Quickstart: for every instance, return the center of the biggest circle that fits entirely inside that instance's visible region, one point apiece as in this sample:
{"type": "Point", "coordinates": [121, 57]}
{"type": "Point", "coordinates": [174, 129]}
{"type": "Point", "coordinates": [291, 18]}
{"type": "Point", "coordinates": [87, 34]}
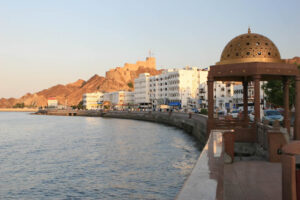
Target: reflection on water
{"type": "Point", "coordinates": [55, 157]}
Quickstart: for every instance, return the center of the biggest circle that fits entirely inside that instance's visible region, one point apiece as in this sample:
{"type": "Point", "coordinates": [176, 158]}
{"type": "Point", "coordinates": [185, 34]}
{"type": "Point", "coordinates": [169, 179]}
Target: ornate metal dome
{"type": "Point", "coordinates": [250, 47]}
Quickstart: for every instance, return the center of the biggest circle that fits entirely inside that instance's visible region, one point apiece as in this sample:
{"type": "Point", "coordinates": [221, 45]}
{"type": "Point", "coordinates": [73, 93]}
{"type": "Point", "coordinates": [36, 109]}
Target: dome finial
{"type": "Point", "coordinates": [249, 30]}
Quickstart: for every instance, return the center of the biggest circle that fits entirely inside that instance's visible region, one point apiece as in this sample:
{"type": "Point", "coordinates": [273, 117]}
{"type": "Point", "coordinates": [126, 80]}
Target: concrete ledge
{"type": "Point", "coordinates": [206, 179]}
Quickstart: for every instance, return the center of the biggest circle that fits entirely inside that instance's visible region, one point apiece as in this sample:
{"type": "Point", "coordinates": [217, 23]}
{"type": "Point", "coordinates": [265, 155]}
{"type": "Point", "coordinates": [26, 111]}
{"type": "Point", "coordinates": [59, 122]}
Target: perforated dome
{"type": "Point", "coordinates": [250, 47]}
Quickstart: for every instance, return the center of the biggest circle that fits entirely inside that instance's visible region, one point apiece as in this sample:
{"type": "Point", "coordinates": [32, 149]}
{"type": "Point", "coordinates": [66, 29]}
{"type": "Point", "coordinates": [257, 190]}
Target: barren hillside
{"type": "Point", "coordinates": [71, 94]}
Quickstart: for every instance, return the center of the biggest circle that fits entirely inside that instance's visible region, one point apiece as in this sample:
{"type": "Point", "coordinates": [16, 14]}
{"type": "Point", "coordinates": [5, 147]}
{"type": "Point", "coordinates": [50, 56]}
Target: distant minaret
{"type": "Point", "coordinates": [249, 30]}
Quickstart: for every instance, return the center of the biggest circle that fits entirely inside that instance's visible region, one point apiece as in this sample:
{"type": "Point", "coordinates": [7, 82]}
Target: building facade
{"type": "Point", "coordinates": [52, 102]}
{"type": "Point", "coordinates": [141, 91]}
{"type": "Point", "coordinates": [238, 96]}
{"type": "Point", "coordinates": [119, 100]}
{"type": "Point", "coordinates": [176, 87]}
{"type": "Point", "coordinates": [223, 95]}
{"type": "Point", "coordinates": [91, 100]}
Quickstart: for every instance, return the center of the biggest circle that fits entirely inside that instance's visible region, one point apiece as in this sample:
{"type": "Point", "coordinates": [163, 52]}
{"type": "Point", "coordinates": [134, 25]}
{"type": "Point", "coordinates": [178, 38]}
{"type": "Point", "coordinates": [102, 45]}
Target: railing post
{"type": "Point", "coordinates": [210, 97]}
{"type": "Point", "coordinates": [290, 180]}
{"type": "Point", "coordinates": [229, 139]}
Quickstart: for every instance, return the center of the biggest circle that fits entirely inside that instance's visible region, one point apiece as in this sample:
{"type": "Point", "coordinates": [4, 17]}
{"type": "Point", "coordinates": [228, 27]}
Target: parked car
{"type": "Point", "coordinates": [271, 116]}
{"type": "Point", "coordinates": [251, 116]}
{"type": "Point", "coordinates": [235, 113]}
{"type": "Point", "coordinates": [221, 114]}
{"type": "Point", "coordinates": [195, 110]}
{"type": "Point", "coordinates": [281, 110]}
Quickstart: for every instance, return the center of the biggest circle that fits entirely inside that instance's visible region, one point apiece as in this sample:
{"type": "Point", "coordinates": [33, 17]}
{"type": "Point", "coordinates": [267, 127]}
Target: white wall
{"type": "Point", "coordinates": [176, 85]}
{"type": "Point", "coordinates": [141, 89]}
{"type": "Point", "coordinates": [90, 100]}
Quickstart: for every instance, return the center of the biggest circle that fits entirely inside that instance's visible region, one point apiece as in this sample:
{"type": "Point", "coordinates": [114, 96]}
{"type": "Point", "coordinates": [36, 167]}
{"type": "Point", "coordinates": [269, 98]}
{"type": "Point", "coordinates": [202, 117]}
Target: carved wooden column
{"type": "Point", "coordinates": [256, 79]}
{"type": "Point", "coordinates": [297, 109]}
{"type": "Point", "coordinates": [210, 100]}
{"type": "Point", "coordinates": [245, 100]}
{"type": "Point", "coordinates": [286, 122]}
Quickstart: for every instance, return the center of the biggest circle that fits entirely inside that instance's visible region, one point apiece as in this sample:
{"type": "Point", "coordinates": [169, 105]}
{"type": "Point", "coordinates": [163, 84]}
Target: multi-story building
{"type": "Point", "coordinates": [223, 95]}
{"type": "Point", "coordinates": [52, 102]}
{"type": "Point", "coordinates": [176, 87]}
{"type": "Point", "coordinates": [238, 96]}
{"type": "Point", "coordinates": [119, 100]}
{"type": "Point", "coordinates": [229, 95]}
{"type": "Point", "coordinates": [91, 100]}
{"type": "Point", "coordinates": [141, 91]}
{"type": "Point", "coordinates": [223, 92]}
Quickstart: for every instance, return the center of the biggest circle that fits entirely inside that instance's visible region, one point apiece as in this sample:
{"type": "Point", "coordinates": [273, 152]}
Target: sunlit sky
{"type": "Point", "coordinates": [44, 43]}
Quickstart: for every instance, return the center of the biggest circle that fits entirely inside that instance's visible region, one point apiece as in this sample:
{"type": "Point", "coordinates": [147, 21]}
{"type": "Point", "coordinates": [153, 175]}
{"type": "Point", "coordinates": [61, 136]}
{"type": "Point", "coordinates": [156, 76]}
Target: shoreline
{"type": "Point", "coordinates": [208, 170]}
{"type": "Point", "coordinates": [19, 109]}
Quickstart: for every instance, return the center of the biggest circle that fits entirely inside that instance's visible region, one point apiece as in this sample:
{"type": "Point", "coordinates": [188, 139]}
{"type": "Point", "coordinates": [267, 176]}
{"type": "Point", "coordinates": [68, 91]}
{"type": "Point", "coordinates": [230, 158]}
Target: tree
{"type": "Point", "coordinates": [80, 105]}
{"type": "Point", "coordinates": [130, 84]}
{"type": "Point", "coordinates": [74, 107]}
{"type": "Point", "coordinates": [274, 92]}
{"type": "Point", "coordinates": [106, 107]}
{"type": "Point", "coordinates": [203, 111]}
{"type": "Point", "coordinates": [19, 105]}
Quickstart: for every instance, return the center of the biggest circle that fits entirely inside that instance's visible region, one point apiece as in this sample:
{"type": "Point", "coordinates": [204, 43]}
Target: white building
{"type": "Point", "coordinates": [238, 96]}
{"type": "Point", "coordinates": [91, 100]}
{"type": "Point", "coordinates": [228, 95]}
{"type": "Point", "coordinates": [141, 91]}
{"type": "Point", "coordinates": [119, 100]}
{"type": "Point", "coordinates": [52, 102]}
{"type": "Point", "coordinates": [176, 87]}
{"type": "Point", "coordinates": [223, 95]}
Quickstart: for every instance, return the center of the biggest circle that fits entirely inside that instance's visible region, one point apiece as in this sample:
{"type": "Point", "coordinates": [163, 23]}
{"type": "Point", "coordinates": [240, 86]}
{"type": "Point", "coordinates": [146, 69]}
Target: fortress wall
{"type": "Point", "coordinates": [125, 70]}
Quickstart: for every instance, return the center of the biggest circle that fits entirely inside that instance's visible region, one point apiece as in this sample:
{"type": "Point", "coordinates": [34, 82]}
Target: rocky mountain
{"type": "Point", "coordinates": [119, 78]}
{"type": "Point", "coordinates": [114, 80]}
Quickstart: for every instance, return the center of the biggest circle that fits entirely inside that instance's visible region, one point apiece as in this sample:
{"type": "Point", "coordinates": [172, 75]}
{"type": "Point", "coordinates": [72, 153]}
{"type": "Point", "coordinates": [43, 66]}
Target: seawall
{"type": "Point", "coordinates": [194, 124]}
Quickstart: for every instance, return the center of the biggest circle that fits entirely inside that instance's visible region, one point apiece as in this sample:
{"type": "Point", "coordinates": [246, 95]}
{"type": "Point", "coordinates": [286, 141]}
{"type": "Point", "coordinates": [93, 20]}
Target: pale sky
{"type": "Point", "coordinates": [44, 43]}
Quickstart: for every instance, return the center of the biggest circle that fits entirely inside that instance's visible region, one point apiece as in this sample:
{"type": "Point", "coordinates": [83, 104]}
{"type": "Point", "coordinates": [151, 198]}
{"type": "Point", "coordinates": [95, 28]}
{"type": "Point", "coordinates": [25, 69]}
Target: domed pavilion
{"type": "Point", "coordinates": [253, 58]}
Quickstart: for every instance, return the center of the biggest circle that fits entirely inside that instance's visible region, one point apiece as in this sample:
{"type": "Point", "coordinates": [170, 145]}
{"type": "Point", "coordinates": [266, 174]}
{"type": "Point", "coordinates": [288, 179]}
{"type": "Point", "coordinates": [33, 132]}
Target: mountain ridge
{"type": "Point", "coordinates": [71, 94]}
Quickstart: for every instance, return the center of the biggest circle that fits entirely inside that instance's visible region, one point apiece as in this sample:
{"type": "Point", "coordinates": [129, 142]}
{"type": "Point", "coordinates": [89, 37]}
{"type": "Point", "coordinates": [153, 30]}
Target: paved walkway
{"type": "Point", "coordinates": [255, 180]}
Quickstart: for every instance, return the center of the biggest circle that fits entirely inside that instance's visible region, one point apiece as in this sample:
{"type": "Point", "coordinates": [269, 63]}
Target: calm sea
{"type": "Point", "coordinates": [56, 157]}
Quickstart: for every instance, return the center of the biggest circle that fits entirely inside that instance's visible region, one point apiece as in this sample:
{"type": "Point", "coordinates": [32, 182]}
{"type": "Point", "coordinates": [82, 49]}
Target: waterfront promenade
{"type": "Point", "coordinates": [250, 176]}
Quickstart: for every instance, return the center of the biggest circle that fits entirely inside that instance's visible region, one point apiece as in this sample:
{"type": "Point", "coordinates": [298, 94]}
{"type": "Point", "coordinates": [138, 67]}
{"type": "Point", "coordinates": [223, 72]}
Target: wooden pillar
{"type": "Point", "coordinates": [297, 109]}
{"type": "Point", "coordinates": [256, 79]}
{"type": "Point", "coordinates": [210, 100]}
{"type": "Point", "coordinates": [245, 100]}
{"type": "Point", "coordinates": [286, 102]}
